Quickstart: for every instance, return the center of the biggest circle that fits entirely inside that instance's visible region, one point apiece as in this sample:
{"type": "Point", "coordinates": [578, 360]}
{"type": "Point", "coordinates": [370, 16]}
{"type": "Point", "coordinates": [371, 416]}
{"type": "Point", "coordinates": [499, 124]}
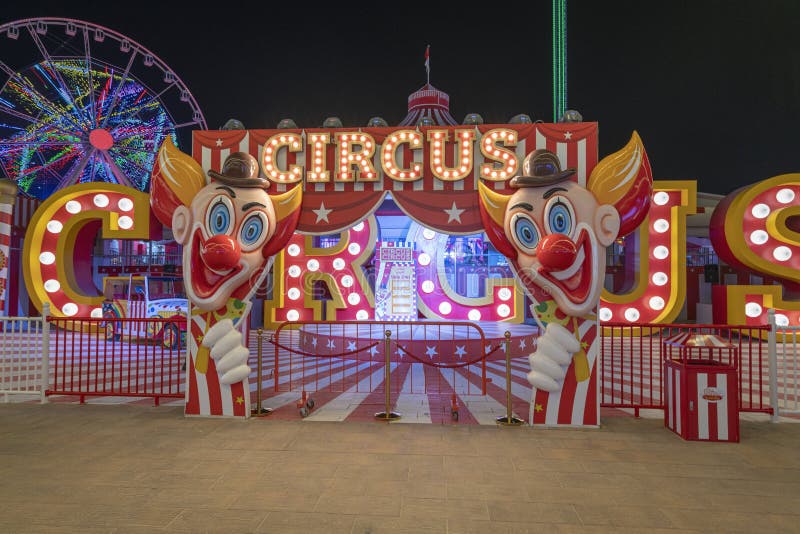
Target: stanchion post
{"type": "Point", "coordinates": [259, 411]}
{"type": "Point", "coordinates": [508, 419]}
{"type": "Point", "coordinates": [387, 414]}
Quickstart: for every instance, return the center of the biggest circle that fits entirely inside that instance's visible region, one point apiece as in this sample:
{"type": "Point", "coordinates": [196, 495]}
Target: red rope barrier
{"type": "Point", "coordinates": [442, 365]}
{"type": "Point", "coordinates": [340, 355]}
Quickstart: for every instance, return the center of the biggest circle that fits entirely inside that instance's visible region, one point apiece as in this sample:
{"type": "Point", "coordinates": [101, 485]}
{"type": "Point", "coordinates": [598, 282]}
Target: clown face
{"type": "Point", "coordinates": [223, 233]}
{"type": "Point", "coordinates": [560, 233]}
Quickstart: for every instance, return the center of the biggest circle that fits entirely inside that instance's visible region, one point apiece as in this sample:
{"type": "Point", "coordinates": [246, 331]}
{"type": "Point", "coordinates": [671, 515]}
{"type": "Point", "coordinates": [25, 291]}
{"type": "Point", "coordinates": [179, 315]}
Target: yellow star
{"type": "Point", "coordinates": [538, 408]}
{"type": "Point", "coordinates": [584, 345]}
{"type": "Point", "coordinates": [239, 400]}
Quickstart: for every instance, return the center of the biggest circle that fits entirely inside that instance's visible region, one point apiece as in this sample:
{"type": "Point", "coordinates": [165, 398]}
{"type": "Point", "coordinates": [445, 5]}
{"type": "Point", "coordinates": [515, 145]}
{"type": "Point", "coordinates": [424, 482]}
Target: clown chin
{"type": "Point", "coordinates": [218, 296]}
{"type": "Point", "coordinates": [582, 308]}
{"type": "Point", "coordinates": [576, 309]}
{"type": "Point", "coordinates": [540, 287]}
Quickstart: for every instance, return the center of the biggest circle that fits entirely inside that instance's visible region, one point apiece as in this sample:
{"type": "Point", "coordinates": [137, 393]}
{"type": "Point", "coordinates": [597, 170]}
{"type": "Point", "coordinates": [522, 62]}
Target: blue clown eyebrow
{"type": "Point", "coordinates": [523, 205]}
{"type": "Point", "coordinates": [551, 192]}
{"type": "Point", "coordinates": [252, 205]}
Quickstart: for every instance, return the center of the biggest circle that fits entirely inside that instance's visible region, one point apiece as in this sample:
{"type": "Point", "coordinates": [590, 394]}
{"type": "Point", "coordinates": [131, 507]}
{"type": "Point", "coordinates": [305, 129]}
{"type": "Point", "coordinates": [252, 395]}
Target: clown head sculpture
{"type": "Point", "coordinates": [226, 233]}
{"type": "Point", "coordinates": [554, 232]}
{"type": "Point", "coordinates": [559, 232]}
{"type": "Point", "coordinates": [229, 227]}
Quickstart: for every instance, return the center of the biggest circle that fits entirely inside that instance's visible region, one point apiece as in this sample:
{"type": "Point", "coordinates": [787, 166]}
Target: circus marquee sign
{"type": "Point", "coordinates": [446, 163]}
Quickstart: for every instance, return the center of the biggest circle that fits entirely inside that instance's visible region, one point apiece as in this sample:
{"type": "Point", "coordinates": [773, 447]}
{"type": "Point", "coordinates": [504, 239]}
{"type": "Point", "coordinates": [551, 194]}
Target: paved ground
{"type": "Point", "coordinates": [90, 468]}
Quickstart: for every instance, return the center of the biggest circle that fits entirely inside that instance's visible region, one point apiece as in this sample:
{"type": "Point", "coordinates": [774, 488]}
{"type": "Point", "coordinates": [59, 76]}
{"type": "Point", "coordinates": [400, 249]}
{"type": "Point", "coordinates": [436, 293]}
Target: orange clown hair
{"type": "Point", "coordinates": [624, 180]}
{"type": "Point", "coordinates": [175, 181]}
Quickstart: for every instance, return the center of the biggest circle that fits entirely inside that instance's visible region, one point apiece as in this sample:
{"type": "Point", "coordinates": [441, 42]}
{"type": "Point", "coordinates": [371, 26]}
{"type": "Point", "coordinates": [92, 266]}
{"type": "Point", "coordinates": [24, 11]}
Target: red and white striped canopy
{"type": "Point", "coordinates": [429, 102]}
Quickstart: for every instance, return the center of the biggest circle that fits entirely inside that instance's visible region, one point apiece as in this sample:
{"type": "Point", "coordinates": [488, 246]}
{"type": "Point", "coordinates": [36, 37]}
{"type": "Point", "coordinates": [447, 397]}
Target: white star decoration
{"type": "Point", "coordinates": [461, 350]}
{"type": "Point", "coordinates": [322, 213]}
{"type": "Point", "coordinates": [454, 213]}
{"type": "Point", "coordinates": [373, 350]}
{"type": "Point", "coordinates": [351, 345]}
{"type": "Point", "coordinates": [314, 341]}
{"type": "Point", "coordinates": [567, 135]}
{"type": "Point", "coordinates": [521, 344]}
{"type": "Point", "coordinates": [431, 352]}
{"type": "Point", "coordinates": [219, 142]}
{"type": "Point", "coordinates": [331, 344]}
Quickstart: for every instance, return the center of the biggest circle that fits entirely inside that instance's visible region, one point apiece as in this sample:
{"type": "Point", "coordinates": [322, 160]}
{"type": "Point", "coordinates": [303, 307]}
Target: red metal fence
{"type": "Point", "coordinates": [632, 358]}
{"type": "Point", "coordinates": [144, 358]}
{"type": "Point", "coordinates": [117, 357]}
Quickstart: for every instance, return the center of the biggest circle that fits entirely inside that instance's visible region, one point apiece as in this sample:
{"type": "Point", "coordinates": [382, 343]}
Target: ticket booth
{"type": "Point", "coordinates": [701, 394]}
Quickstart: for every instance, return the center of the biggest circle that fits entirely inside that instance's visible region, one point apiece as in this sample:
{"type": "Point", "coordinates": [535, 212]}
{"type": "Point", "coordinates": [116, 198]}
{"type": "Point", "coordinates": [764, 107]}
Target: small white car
{"type": "Point", "coordinates": [145, 297]}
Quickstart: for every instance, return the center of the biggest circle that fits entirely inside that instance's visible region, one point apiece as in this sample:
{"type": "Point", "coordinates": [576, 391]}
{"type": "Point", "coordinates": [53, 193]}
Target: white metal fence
{"type": "Point", "coordinates": [784, 354]}
{"type": "Point", "coordinates": [24, 356]}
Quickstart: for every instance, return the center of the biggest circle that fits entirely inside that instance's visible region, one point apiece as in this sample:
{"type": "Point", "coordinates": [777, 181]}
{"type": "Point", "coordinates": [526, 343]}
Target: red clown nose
{"type": "Point", "coordinates": [556, 252]}
{"type": "Point", "coordinates": [221, 253]}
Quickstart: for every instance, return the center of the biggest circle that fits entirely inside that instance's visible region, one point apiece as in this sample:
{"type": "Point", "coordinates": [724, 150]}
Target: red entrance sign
{"type": "Point", "coordinates": [431, 173]}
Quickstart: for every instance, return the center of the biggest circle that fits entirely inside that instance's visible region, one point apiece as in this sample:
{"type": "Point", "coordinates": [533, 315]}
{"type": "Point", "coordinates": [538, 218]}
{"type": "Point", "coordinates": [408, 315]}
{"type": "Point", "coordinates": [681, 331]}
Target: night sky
{"type": "Point", "coordinates": [713, 88]}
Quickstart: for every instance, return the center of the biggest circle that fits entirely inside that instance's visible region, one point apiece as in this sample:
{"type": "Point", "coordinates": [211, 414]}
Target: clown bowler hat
{"type": "Point", "coordinates": [240, 170]}
{"type": "Point", "coordinates": [540, 167]}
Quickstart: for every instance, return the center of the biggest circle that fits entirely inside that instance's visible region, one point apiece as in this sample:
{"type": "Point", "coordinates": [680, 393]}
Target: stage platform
{"type": "Point", "coordinates": [431, 341]}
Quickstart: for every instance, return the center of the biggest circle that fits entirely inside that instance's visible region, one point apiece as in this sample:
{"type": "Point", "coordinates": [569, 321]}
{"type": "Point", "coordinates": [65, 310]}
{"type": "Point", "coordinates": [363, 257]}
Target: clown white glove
{"type": "Point", "coordinates": [553, 355]}
{"type": "Point", "coordinates": [228, 352]}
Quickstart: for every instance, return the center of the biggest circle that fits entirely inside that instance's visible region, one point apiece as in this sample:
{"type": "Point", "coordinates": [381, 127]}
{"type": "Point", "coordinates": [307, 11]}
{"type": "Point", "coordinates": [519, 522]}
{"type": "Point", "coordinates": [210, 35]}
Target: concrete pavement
{"type": "Point", "coordinates": [127, 468]}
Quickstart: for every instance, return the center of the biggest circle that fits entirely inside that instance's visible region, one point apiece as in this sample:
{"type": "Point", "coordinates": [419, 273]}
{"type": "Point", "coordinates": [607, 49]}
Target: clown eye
{"type": "Point", "coordinates": [559, 216]}
{"type": "Point", "coordinates": [525, 233]}
{"type": "Point", "coordinates": [253, 231]}
{"type": "Point", "coordinates": [559, 219]}
{"type": "Point", "coordinates": [219, 216]}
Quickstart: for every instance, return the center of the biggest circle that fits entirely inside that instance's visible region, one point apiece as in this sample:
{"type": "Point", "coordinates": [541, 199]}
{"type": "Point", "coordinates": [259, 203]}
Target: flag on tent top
{"type": "Point", "coordinates": [428, 62]}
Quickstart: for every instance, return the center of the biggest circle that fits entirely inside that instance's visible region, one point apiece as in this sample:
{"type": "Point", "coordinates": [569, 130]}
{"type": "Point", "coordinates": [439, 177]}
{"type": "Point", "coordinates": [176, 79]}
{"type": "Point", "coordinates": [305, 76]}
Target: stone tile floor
{"type": "Point", "coordinates": [128, 468]}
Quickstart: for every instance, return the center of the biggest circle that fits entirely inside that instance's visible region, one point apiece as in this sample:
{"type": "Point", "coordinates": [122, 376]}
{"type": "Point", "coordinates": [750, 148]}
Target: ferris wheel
{"type": "Point", "coordinates": [83, 103]}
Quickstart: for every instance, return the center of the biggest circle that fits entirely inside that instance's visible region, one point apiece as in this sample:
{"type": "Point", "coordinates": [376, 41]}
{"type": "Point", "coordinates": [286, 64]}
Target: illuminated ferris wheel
{"type": "Point", "coordinates": [83, 103]}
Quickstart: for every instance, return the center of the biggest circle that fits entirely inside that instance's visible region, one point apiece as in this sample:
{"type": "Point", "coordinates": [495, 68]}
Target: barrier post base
{"type": "Point", "coordinates": [264, 412]}
{"type": "Point", "coordinates": [509, 421]}
{"type": "Point", "coordinates": [387, 416]}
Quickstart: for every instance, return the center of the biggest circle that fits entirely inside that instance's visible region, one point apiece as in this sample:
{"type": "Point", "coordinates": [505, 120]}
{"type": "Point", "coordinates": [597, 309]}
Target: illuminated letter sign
{"type": "Point", "coordinates": [755, 228]}
{"type": "Point", "coordinates": [659, 291]}
{"type": "Point", "coordinates": [301, 265]}
{"type": "Point", "coordinates": [59, 241]}
{"type": "Point", "coordinates": [495, 154]}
